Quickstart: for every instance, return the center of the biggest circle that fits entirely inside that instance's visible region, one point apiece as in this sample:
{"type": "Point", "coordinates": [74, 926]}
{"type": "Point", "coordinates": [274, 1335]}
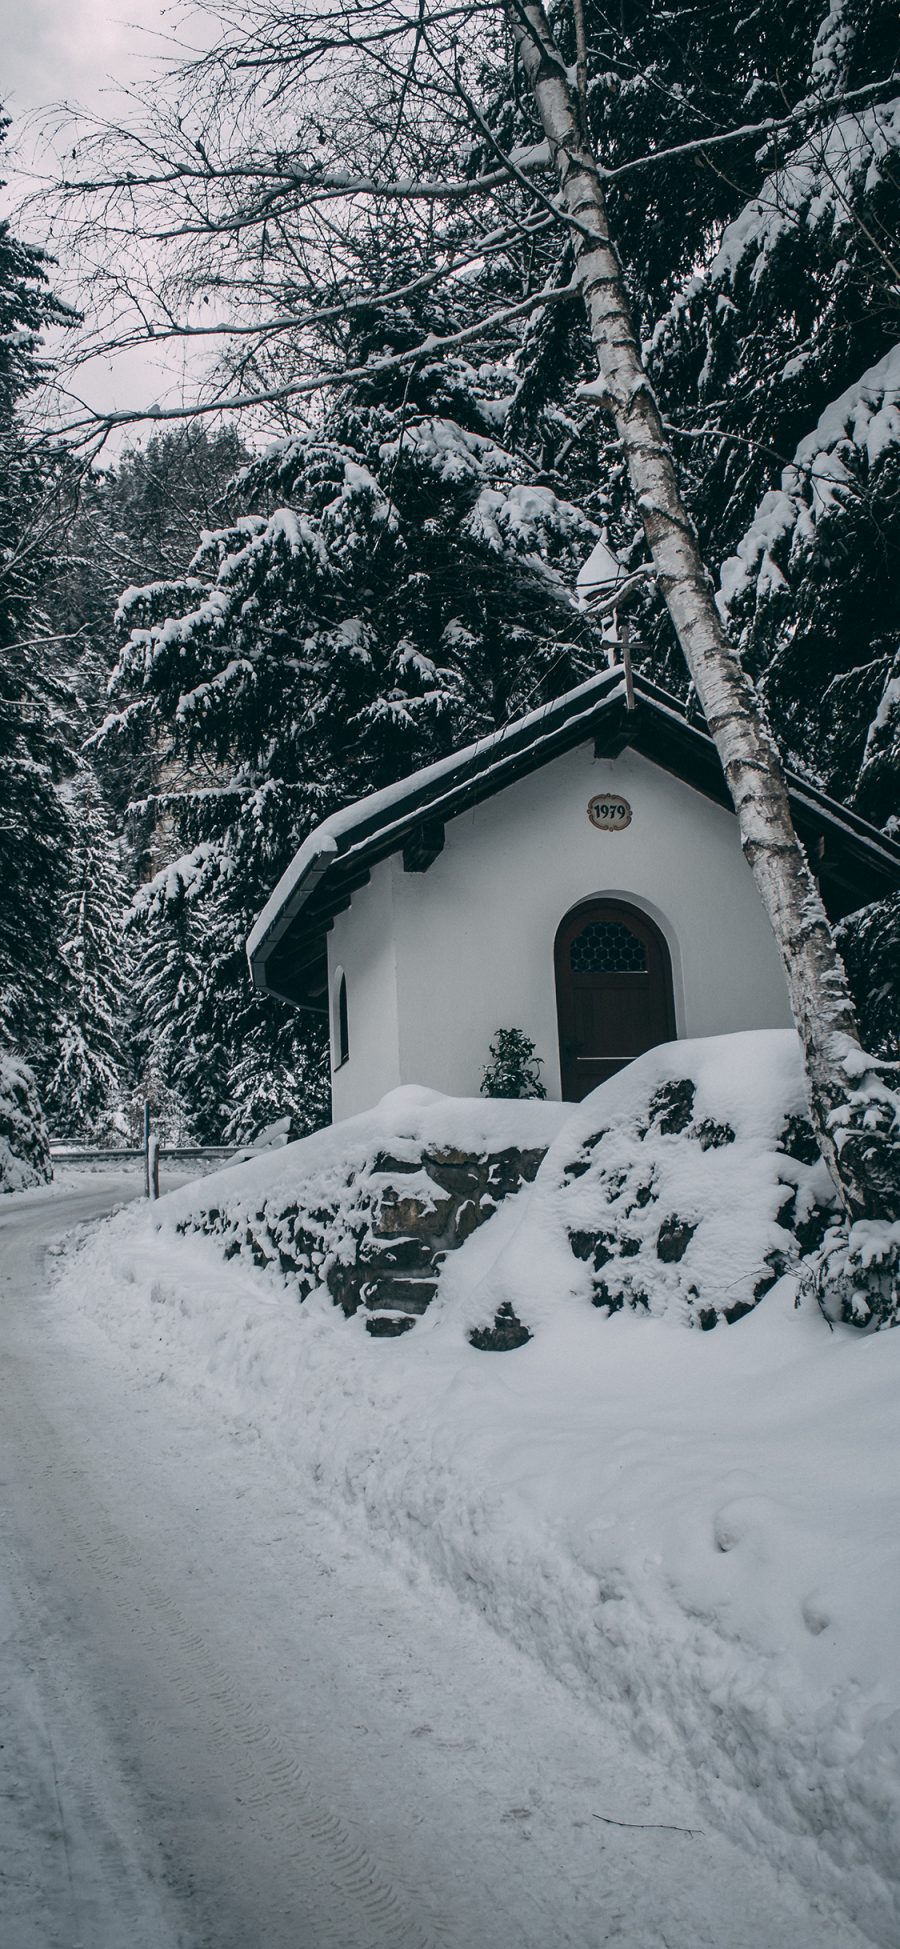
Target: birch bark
{"type": "Point", "coordinates": [854, 1111]}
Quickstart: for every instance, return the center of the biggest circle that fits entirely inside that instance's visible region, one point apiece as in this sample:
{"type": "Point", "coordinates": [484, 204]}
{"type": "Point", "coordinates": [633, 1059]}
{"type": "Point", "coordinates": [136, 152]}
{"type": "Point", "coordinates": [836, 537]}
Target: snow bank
{"type": "Point", "coordinates": [409, 1116]}
{"type": "Point", "coordinates": [24, 1144]}
{"type": "Point", "coordinates": [698, 1527]}
{"type": "Point", "coordinates": [684, 1186]}
{"type": "Point", "coordinates": [370, 1207]}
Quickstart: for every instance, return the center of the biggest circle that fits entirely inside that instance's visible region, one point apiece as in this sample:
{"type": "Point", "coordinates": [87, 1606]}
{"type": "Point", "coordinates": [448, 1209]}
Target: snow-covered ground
{"type": "Point", "coordinates": [121, 1178]}
{"type": "Point", "coordinates": [229, 1721]}
{"type": "Point", "coordinates": [690, 1537]}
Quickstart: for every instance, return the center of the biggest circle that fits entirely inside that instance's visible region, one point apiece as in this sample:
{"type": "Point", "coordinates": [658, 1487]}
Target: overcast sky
{"type": "Point", "coordinates": [55, 49]}
{"type": "Point", "coordinates": [82, 52]}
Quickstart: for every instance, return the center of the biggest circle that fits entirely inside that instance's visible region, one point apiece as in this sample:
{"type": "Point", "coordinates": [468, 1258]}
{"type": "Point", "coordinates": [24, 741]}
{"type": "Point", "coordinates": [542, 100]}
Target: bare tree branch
{"type": "Point", "coordinates": [91, 425]}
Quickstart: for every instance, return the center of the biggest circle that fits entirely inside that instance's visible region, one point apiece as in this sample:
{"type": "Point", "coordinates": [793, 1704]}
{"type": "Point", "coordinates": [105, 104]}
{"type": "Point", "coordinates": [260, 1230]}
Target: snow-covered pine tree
{"type": "Point", "coordinates": [85, 1073]}
{"type": "Point", "coordinates": [24, 1143]}
{"type": "Point", "coordinates": [795, 296]}
{"type": "Point", "coordinates": [781, 361]}
{"type": "Point", "coordinates": [854, 1106]}
{"type": "Point", "coordinates": [166, 979]}
{"type": "Point", "coordinates": [133, 522]}
{"type": "Point", "coordinates": [411, 587]}
{"type": "Point", "coordinates": [212, 1077]}
{"type": "Point", "coordinates": [812, 594]}
{"type": "Point", "coordinates": [137, 518]}
{"type": "Point", "coordinates": [770, 353]}
{"type": "Point", "coordinates": [35, 732]}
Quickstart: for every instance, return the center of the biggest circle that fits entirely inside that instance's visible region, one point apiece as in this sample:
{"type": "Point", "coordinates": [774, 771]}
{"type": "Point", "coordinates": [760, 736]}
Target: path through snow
{"type": "Point", "coordinates": [229, 1724]}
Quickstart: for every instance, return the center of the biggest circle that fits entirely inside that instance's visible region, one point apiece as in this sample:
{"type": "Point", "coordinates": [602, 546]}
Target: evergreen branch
{"type": "Point", "coordinates": [770, 125]}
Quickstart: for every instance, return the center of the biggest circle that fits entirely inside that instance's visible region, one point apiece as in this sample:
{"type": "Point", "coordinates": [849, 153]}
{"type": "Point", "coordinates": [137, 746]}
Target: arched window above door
{"type": "Point", "coordinates": [607, 947]}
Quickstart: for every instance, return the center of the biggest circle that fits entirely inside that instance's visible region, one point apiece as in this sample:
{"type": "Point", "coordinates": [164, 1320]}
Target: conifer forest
{"type": "Point", "coordinates": [352, 543]}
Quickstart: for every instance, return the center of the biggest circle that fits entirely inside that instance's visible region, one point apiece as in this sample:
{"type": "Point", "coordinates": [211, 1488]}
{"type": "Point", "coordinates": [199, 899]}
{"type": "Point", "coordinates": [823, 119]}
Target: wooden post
{"type": "Point", "coordinates": [153, 1167]}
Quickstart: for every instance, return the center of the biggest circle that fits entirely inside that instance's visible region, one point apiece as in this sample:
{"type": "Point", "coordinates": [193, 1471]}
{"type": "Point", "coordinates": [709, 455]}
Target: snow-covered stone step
{"type": "Point", "coordinates": [394, 1293]}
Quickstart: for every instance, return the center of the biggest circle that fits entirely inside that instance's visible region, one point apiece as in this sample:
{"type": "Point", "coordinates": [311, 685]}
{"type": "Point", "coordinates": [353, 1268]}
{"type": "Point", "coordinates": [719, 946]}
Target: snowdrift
{"type": "Point", "coordinates": [687, 1184]}
{"type": "Point", "coordinates": [697, 1529]}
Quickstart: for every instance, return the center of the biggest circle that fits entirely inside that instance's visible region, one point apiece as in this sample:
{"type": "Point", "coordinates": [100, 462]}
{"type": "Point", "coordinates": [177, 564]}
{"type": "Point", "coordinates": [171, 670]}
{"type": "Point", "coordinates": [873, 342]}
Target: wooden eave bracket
{"type": "Point", "coordinates": [615, 732]}
{"type": "Point", "coordinates": [422, 846]}
{"type": "Point", "coordinates": [299, 975]}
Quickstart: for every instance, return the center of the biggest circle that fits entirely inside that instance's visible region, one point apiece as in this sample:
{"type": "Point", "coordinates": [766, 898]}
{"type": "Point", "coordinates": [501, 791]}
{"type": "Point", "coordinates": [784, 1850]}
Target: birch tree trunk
{"type": "Point", "coordinates": [854, 1112]}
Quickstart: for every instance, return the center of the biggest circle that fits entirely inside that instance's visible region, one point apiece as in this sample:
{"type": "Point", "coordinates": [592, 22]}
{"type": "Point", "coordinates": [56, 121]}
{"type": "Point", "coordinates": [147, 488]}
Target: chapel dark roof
{"type": "Point", "coordinates": [853, 862]}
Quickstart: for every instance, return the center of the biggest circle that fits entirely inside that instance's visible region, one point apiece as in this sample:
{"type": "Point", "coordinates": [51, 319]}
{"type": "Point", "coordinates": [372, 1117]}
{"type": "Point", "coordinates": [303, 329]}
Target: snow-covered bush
{"type": "Point", "coordinates": [24, 1148]}
{"type": "Point", "coordinates": [514, 1067]}
{"type": "Point", "coordinates": [853, 1274]}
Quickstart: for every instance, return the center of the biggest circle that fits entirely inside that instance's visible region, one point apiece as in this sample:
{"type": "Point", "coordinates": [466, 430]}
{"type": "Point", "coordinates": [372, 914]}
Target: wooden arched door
{"type": "Point", "coordinates": [613, 992]}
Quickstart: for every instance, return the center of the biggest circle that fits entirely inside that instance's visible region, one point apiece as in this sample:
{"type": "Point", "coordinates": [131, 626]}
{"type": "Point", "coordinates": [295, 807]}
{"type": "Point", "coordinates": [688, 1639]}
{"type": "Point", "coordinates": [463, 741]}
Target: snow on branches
{"type": "Point", "coordinates": [830, 640]}
{"type": "Point", "coordinates": [24, 1148]}
{"type": "Point", "coordinates": [409, 588]}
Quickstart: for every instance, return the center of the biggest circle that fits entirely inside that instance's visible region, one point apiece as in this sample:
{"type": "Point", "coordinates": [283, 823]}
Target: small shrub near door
{"type": "Point", "coordinates": [514, 1066]}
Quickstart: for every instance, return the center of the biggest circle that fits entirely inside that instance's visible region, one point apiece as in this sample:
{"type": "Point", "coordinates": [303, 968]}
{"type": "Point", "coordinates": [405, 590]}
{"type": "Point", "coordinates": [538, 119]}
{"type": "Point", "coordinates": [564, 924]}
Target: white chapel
{"type": "Point", "coordinates": [577, 875]}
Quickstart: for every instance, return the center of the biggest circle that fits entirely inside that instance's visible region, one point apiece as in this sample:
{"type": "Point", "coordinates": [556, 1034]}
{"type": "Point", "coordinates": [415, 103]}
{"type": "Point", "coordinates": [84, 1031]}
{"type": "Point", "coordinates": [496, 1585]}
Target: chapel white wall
{"type": "Point", "coordinates": [437, 962]}
{"type": "Point", "coordinates": [361, 945]}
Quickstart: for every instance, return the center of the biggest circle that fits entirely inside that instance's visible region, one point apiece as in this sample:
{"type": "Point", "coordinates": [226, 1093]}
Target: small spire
{"type": "Point", "coordinates": [599, 576]}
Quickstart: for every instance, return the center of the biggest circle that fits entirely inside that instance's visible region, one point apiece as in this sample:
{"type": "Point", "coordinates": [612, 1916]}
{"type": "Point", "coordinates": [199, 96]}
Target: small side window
{"type": "Point", "coordinates": [341, 1021]}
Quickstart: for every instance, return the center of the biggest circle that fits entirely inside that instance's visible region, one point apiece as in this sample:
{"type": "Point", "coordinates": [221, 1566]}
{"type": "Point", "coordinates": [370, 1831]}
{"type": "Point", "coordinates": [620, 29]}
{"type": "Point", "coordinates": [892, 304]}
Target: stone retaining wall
{"type": "Point", "coordinates": [379, 1249]}
{"type": "Point", "coordinates": [422, 1211]}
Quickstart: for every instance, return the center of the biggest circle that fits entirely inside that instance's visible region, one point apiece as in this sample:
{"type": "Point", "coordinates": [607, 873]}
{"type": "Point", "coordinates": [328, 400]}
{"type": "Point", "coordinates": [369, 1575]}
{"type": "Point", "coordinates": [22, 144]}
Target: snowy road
{"type": "Point", "coordinates": [229, 1725]}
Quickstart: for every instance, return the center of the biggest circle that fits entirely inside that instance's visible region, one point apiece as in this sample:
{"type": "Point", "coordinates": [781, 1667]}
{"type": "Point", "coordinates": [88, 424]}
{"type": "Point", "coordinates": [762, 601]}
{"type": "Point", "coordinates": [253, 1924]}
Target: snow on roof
{"type": "Point", "coordinates": [436, 792]}
{"type": "Point", "coordinates": [323, 843]}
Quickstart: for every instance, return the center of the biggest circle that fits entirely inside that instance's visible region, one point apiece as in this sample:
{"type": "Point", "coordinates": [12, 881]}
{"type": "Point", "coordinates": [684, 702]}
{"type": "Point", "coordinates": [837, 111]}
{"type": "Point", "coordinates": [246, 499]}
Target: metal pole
{"type": "Point", "coordinates": [625, 640]}
{"type": "Point", "coordinates": [146, 1150]}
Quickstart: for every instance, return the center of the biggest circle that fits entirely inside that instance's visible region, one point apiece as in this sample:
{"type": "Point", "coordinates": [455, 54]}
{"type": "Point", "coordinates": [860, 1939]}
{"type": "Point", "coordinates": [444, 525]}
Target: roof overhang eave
{"type": "Point", "coordinates": [294, 889]}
